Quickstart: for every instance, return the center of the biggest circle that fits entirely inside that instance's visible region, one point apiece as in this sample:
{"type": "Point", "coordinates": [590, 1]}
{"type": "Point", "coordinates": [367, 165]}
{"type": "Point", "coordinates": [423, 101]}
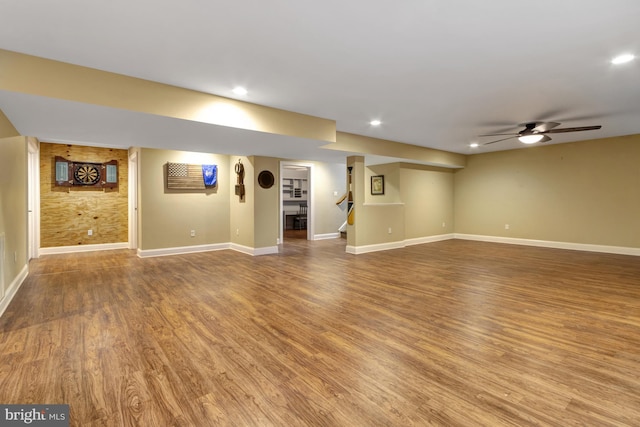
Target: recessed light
{"type": "Point", "coordinates": [474, 145]}
{"type": "Point", "coordinates": [375, 122]}
{"type": "Point", "coordinates": [621, 59]}
{"type": "Point", "coordinates": [239, 90]}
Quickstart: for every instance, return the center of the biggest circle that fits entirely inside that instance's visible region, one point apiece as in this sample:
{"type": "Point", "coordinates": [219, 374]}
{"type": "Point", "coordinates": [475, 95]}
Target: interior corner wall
{"type": "Point", "coordinates": [427, 193]}
{"type": "Point", "coordinates": [13, 206]}
{"type": "Point", "coordinates": [7, 129]}
{"type": "Point", "coordinates": [167, 216]}
{"type": "Point", "coordinates": [374, 223]}
{"type": "Point", "coordinates": [584, 192]}
{"type": "Point", "coordinates": [417, 204]}
{"type": "Point", "coordinates": [382, 217]}
{"type": "Point", "coordinates": [66, 214]}
{"type": "Point", "coordinates": [391, 173]}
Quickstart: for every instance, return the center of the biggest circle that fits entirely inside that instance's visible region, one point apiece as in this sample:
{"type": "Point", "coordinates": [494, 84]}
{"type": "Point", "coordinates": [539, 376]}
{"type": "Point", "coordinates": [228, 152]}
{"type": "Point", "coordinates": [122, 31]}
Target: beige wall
{"type": "Point", "coordinates": [242, 223]}
{"type": "Point", "coordinates": [375, 221]}
{"type": "Point", "coordinates": [372, 221]}
{"type": "Point", "coordinates": [13, 206]}
{"type": "Point", "coordinates": [66, 214]}
{"type": "Point", "coordinates": [427, 193]}
{"type": "Point", "coordinates": [7, 129]}
{"type": "Point", "coordinates": [267, 208]}
{"type": "Point", "coordinates": [219, 216]}
{"type": "Point", "coordinates": [392, 186]}
{"type": "Point", "coordinates": [381, 213]}
{"type": "Point", "coordinates": [168, 216]}
{"type": "Point", "coordinates": [417, 201]}
{"type": "Point", "coordinates": [584, 192]}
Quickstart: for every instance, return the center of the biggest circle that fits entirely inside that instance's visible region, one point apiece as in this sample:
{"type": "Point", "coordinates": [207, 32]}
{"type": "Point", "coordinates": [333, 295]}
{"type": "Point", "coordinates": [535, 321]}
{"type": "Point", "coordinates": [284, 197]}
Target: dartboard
{"type": "Point", "coordinates": [87, 174]}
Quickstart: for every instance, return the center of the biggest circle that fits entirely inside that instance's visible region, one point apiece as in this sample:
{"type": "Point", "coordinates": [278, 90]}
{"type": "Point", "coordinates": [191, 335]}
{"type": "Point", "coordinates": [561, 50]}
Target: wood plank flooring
{"type": "Point", "coordinates": [453, 333]}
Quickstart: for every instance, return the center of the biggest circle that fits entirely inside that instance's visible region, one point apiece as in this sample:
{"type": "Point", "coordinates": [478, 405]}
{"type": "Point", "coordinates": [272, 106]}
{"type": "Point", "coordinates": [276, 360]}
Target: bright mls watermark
{"type": "Point", "coordinates": [35, 415]}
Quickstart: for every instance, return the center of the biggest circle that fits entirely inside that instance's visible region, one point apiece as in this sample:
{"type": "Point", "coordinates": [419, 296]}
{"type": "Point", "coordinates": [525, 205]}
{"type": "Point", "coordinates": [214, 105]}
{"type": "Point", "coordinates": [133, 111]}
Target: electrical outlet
{"type": "Point", "coordinates": [335, 193]}
{"type": "Point", "coordinates": [193, 233]}
{"type": "Point", "coordinates": [90, 233]}
{"type": "Point", "coordinates": [444, 224]}
{"type": "Point", "coordinates": [506, 226]}
{"type": "Point", "coordinates": [389, 230]}
{"type": "Point", "coordinates": [237, 231]}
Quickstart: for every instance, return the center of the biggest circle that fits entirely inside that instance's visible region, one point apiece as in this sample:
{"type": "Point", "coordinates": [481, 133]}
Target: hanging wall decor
{"type": "Point", "coordinates": [240, 174]}
{"type": "Point", "coordinates": [377, 185]}
{"type": "Point", "coordinates": [183, 176]}
{"type": "Point", "coordinates": [85, 174]}
{"type": "Point", "coordinates": [351, 215]}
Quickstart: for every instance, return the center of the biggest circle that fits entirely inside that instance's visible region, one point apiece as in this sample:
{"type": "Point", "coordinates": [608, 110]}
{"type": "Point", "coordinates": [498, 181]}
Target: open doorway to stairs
{"type": "Point", "coordinates": [296, 201]}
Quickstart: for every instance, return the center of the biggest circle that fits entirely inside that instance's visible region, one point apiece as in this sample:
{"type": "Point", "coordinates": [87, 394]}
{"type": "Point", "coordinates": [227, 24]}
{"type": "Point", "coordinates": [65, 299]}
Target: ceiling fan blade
{"type": "Point", "coordinates": [576, 129]}
{"type": "Point", "coordinates": [500, 134]}
{"type": "Point", "coordinates": [503, 139]}
{"type": "Point", "coordinates": [545, 126]}
{"type": "Point", "coordinates": [545, 138]}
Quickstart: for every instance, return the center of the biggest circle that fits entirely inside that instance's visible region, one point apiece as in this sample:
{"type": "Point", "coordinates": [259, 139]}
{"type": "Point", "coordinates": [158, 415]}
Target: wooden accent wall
{"type": "Point", "coordinates": [67, 214]}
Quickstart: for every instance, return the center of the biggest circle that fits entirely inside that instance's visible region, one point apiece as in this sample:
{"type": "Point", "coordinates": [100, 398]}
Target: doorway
{"type": "Point", "coordinates": [1, 267]}
{"type": "Point", "coordinates": [33, 198]}
{"type": "Point", "coordinates": [133, 199]}
{"type": "Point", "coordinates": [296, 201]}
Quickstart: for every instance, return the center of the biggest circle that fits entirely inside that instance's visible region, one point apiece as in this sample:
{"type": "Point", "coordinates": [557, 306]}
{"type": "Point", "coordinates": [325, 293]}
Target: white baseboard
{"type": "Point", "coordinates": [182, 250]}
{"type": "Point", "coordinates": [357, 250]}
{"type": "Point", "coordinates": [82, 248]}
{"type": "Point", "coordinates": [396, 245]}
{"type": "Point", "coordinates": [326, 236]}
{"type": "Point", "coordinates": [620, 250]}
{"type": "Point", "coordinates": [266, 251]}
{"type": "Point", "coordinates": [207, 248]}
{"type": "Point", "coordinates": [254, 251]}
{"type": "Point", "coordinates": [428, 239]}
{"type": "Point", "coordinates": [13, 289]}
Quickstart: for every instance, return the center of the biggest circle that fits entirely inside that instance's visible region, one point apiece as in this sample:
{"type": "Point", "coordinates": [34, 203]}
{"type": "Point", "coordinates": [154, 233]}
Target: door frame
{"type": "Point", "coordinates": [33, 198]}
{"type": "Point", "coordinates": [133, 198]}
{"type": "Point", "coordinates": [310, 197]}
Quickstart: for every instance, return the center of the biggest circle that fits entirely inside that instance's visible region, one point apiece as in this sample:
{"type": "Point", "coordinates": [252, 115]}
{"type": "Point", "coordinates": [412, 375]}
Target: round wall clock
{"type": "Point", "coordinates": [87, 174]}
{"type": "Point", "coordinates": [266, 179]}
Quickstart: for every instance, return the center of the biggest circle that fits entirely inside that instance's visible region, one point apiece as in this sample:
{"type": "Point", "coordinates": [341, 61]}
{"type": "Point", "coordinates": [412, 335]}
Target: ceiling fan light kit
{"type": "Point", "coordinates": [530, 139]}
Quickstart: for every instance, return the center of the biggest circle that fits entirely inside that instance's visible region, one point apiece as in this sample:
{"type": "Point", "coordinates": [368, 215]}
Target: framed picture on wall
{"type": "Point", "coordinates": [377, 185]}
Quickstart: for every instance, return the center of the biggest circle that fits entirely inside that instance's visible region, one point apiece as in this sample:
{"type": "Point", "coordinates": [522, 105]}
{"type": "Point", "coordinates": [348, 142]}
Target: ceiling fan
{"type": "Point", "coordinates": [537, 132]}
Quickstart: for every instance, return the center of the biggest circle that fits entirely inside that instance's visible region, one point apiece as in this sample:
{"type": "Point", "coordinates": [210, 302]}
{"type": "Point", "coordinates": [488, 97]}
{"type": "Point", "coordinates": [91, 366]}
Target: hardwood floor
{"type": "Point", "coordinates": [453, 333]}
{"type": "Point", "coordinates": [295, 234]}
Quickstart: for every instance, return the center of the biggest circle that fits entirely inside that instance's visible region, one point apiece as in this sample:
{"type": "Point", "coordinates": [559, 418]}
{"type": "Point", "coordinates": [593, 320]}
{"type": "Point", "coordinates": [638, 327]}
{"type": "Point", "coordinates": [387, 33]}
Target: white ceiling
{"type": "Point", "coordinates": [437, 73]}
